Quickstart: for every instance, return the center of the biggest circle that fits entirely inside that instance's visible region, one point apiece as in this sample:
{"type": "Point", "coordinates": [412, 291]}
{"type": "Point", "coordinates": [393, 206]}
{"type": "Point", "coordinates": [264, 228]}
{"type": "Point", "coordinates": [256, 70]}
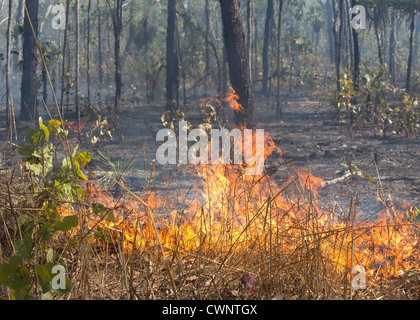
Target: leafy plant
{"type": "Point", "coordinates": [370, 105]}
{"type": "Point", "coordinates": [49, 188]}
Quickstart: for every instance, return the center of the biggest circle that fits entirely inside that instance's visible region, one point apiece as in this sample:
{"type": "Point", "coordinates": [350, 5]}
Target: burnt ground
{"type": "Point", "coordinates": [308, 127]}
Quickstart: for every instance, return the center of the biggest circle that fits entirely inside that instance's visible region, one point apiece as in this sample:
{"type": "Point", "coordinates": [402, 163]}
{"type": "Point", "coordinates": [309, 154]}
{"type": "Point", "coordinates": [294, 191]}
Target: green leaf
{"type": "Point", "coordinates": [44, 130]}
{"type": "Point", "coordinates": [103, 212]}
{"type": "Point", "coordinates": [15, 262]}
{"type": "Point", "coordinates": [19, 279]}
{"type": "Point", "coordinates": [50, 255]}
{"type": "Point", "coordinates": [46, 288]}
{"type": "Point", "coordinates": [47, 296]}
{"type": "Point", "coordinates": [79, 174]}
{"type": "Point", "coordinates": [46, 231]}
{"type": "Point", "coordinates": [43, 272]}
{"type": "Point", "coordinates": [24, 247]}
{"type": "Point", "coordinates": [21, 294]}
{"type": "Point", "coordinates": [68, 223]}
{"type": "Point", "coordinates": [67, 289]}
{"type": "Point", "coordinates": [5, 271]}
{"type": "Point", "coordinates": [34, 137]}
{"type": "Point", "coordinates": [34, 166]}
{"type": "Point", "coordinates": [83, 158]}
{"type": "Point", "coordinates": [26, 151]}
{"type": "Point", "coordinates": [54, 126]}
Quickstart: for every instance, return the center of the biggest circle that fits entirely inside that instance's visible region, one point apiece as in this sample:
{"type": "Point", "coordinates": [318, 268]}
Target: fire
{"type": "Point", "coordinates": [232, 98]}
{"type": "Point", "coordinates": [233, 216]}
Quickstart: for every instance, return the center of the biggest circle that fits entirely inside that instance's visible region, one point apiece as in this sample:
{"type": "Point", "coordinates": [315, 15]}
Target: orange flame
{"type": "Point", "coordinates": [232, 98]}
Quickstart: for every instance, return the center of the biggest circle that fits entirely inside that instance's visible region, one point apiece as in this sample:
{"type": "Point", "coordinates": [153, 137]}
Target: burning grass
{"type": "Point", "coordinates": [237, 224]}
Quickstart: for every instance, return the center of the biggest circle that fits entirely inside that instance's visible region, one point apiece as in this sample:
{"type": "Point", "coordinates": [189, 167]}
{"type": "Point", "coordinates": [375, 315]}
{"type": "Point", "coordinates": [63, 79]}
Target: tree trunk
{"type": "Point", "coordinates": [236, 56]}
{"type": "Point", "coordinates": [279, 108]}
{"type": "Point", "coordinates": [207, 40]}
{"type": "Point", "coordinates": [9, 104]}
{"type": "Point", "coordinates": [77, 65]}
{"type": "Point", "coordinates": [44, 85]}
{"type": "Point", "coordinates": [131, 29]}
{"type": "Point", "coordinates": [379, 42]}
{"type": "Point", "coordinates": [250, 35]}
{"type": "Point", "coordinates": [117, 21]}
{"type": "Point", "coordinates": [30, 62]}
{"type": "Point", "coordinates": [255, 55]}
{"type": "Point", "coordinates": [18, 39]}
{"type": "Point", "coordinates": [338, 29]}
{"type": "Point", "coordinates": [267, 39]}
{"type": "Point", "coordinates": [392, 44]}
{"type": "Point", "coordinates": [172, 68]}
{"type": "Point", "coordinates": [224, 72]}
{"type": "Point", "coordinates": [416, 40]}
{"type": "Point", "coordinates": [410, 54]}
{"type": "Point", "coordinates": [349, 36]}
{"type": "Point", "coordinates": [356, 50]}
{"type": "Point", "coordinates": [330, 26]}
{"type": "Point", "coordinates": [100, 55]}
{"type": "Point", "coordinates": [88, 51]}
{"type": "Point", "coordinates": [63, 70]}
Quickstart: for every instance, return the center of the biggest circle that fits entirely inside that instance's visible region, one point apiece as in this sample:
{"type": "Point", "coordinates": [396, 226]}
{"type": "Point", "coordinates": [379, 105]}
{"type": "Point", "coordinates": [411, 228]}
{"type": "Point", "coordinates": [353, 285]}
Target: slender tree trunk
{"type": "Point", "coordinates": [392, 49]}
{"type": "Point", "coordinates": [88, 51]}
{"type": "Point", "coordinates": [379, 42]}
{"type": "Point", "coordinates": [117, 21]}
{"type": "Point", "coordinates": [225, 71]}
{"type": "Point", "coordinates": [350, 35]}
{"type": "Point", "coordinates": [44, 85]}
{"type": "Point", "coordinates": [172, 67]}
{"type": "Point", "coordinates": [108, 57]}
{"type": "Point", "coordinates": [63, 70]}
{"type": "Point", "coordinates": [279, 108]}
{"type": "Point", "coordinates": [100, 54]}
{"type": "Point", "coordinates": [330, 26]}
{"type": "Point", "coordinates": [250, 36]}
{"type": "Point", "coordinates": [8, 41]}
{"type": "Point", "coordinates": [207, 40]}
{"type": "Point", "coordinates": [356, 50]}
{"type": "Point", "coordinates": [338, 28]}
{"type": "Point", "coordinates": [255, 63]}
{"type": "Point", "coordinates": [266, 46]}
{"type": "Point", "coordinates": [410, 54]}
{"type": "Point", "coordinates": [131, 29]}
{"type": "Point", "coordinates": [18, 39]}
{"type": "Point", "coordinates": [77, 63]}
{"type": "Point", "coordinates": [68, 81]}
{"type": "Point", "coordinates": [416, 40]}
{"type": "Point", "coordinates": [30, 62]}
{"type": "Point", "coordinates": [236, 56]}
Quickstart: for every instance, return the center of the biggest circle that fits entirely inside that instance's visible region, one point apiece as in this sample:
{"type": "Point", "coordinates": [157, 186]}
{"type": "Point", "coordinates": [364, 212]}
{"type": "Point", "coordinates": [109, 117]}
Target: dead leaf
{"type": "Point", "coordinates": [233, 293]}
{"type": "Point", "coordinates": [191, 279]}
